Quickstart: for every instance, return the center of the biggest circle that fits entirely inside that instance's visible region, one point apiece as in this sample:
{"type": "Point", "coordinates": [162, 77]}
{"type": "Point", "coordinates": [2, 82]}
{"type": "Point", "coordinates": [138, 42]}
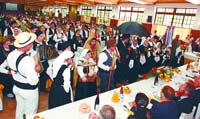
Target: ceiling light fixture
{"type": "Point", "coordinates": [196, 2]}
{"type": "Point", "coordinates": [138, 1]}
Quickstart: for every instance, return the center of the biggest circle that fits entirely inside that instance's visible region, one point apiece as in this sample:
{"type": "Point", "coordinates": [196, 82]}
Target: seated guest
{"type": "Point", "coordinates": [139, 107]}
{"type": "Point", "coordinates": [87, 72]}
{"type": "Point", "coordinates": [93, 115]}
{"type": "Point", "coordinates": [197, 90]}
{"type": "Point", "coordinates": [61, 91]}
{"type": "Point", "coordinates": [185, 98]}
{"type": "Point", "coordinates": [167, 107]}
{"type": "Point", "coordinates": [107, 112]}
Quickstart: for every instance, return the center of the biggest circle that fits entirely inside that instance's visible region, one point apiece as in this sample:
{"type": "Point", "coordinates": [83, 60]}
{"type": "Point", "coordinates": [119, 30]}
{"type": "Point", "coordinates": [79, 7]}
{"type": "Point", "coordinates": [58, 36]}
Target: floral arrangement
{"type": "Point", "coordinates": [163, 72]}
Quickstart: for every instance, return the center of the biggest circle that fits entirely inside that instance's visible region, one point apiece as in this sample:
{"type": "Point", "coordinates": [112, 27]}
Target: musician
{"type": "Point", "coordinates": [40, 46]}
{"type": "Point", "coordinates": [106, 65]}
{"type": "Point", "coordinates": [87, 72]}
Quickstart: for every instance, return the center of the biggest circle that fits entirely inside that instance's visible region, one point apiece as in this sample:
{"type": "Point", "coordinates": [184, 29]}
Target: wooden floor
{"type": "Point", "coordinates": [10, 106]}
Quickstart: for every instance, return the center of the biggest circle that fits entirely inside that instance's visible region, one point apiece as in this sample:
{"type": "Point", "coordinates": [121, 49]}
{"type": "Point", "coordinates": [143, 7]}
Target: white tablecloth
{"type": "Point", "coordinates": [191, 56]}
{"type": "Point", "coordinates": [70, 111]}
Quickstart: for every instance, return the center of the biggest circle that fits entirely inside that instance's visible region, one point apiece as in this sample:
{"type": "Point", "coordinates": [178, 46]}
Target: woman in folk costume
{"type": "Point", "coordinates": [93, 45]}
{"type": "Point", "coordinates": [61, 91]}
{"type": "Point", "coordinates": [87, 72]}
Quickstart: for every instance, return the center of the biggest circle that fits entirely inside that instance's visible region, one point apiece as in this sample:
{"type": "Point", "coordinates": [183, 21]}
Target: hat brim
{"type": "Point", "coordinates": [29, 40]}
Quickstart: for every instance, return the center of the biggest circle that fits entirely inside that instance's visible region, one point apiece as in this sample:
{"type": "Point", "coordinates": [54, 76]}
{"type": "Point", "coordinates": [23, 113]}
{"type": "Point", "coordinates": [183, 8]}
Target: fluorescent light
{"type": "Point", "coordinates": [194, 1]}
{"type": "Point", "coordinates": [137, 1]}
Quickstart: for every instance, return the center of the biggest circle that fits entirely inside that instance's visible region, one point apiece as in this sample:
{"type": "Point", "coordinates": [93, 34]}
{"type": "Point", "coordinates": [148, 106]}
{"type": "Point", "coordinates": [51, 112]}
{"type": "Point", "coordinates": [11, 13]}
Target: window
{"type": "Point", "coordinates": [131, 14]}
{"type": "Point", "coordinates": [181, 17]}
{"type": "Point", "coordinates": [86, 10]}
{"type": "Point", "coordinates": [64, 11]}
{"type": "Point", "coordinates": [104, 12]}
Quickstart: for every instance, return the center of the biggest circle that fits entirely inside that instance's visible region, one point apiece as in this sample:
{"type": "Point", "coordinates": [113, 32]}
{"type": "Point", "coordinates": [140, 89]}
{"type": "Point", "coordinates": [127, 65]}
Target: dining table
{"type": "Point", "coordinates": [71, 110]}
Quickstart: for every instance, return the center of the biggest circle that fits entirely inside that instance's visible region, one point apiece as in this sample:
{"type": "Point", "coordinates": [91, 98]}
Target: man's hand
{"type": "Point", "coordinates": [37, 68]}
{"type": "Point", "coordinates": [111, 68]}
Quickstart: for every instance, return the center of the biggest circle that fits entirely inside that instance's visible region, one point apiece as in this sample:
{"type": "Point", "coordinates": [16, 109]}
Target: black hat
{"type": "Point", "coordinates": [33, 27]}
{"type": "Point", "coordinates": [125, 36]}
{"type": "Point", "coordinates": [13, 22]}
{"type": "Point", "coordinates": [38, 33]}
{"type": "Point", "coordinates": [64, 45]}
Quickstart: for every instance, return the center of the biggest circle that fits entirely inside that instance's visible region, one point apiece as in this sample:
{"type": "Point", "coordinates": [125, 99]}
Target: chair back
{"type": "Point", "coordinates": [188, 116]}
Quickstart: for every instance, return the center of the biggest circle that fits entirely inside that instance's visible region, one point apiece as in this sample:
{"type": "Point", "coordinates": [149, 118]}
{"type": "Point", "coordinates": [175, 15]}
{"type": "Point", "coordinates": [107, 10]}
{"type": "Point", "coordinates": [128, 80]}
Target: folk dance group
{"type": "Point", "coordinates": [123, 60]}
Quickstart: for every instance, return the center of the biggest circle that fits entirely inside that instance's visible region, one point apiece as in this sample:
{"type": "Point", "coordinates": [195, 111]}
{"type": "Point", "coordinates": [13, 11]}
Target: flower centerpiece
{"type": "Point", "coordinates": [163, 72]}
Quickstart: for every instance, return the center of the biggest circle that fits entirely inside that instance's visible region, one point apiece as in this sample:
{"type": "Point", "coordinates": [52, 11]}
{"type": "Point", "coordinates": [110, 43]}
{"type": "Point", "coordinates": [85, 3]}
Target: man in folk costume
{"type": "Point", "coordinates": [93, 45]}
{"type": "Point", "coordinates": [50, 33]}
{"type": "Point", "coordinates": [61, 91]}
{"type": "Point", "coordinates": [84, 33]}
{"type": "Point", "coordinates": [41, 57]}
{"type": "Point", "coordinates": [106, 65]}
{"type": "Point", "coordinates": [10, 30]}
{"type": "Point", "coordinates": [23, 69]}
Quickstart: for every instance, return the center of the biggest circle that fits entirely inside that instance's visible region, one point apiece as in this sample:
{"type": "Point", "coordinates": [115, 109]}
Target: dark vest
{"type": "Point", "coordinates": [51, 41]}
{"type": "Point", "coordinates": [9, 31]}
{"type": "Point", "coordinates": [59, 79]}
{"type": "Point", "coordinates": [108, 62]}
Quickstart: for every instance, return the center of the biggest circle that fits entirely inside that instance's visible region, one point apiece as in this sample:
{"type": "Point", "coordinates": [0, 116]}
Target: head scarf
{"type": "Point", "coordinates": [59, 61]}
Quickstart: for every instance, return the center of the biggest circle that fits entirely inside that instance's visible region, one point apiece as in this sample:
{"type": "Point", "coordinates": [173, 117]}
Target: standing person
{"type": "Point", "coordinates": [87, 71]}
{"type": "Point", "coordinates": [106, 65]}
{"type": "Point", "coordinates": [61, 91]}
{"type": "Point", "coordinates": [50, 33]}
{"type": "Point", "coordinates": [5, 74]}
{"type": "Point", "coordinates": [25, 77]}
{"type": "Point", "coordinates": [123, 64]}
{"type": "Point", "coordinates": [40, 49]}
{"type": "Point", "coordinates": [10, 29]}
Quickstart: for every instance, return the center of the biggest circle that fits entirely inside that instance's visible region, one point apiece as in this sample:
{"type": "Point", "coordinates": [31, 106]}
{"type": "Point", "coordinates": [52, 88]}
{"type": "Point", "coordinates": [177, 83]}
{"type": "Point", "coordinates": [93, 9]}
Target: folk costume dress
{"type": "Point", "coordinates": [61, 91]}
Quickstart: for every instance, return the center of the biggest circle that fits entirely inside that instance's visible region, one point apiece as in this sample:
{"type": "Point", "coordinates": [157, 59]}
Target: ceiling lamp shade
{"type": "Point", "coordinates": [196, 2]}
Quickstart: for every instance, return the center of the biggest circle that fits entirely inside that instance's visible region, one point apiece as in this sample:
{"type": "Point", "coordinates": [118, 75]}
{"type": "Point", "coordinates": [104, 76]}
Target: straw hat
{"type": "Point", "coordinates": [23, 39]}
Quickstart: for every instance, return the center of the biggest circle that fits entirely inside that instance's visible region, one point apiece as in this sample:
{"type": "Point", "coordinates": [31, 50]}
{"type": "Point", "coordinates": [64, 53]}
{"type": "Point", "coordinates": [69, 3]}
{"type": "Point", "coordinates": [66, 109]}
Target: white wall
{"type": "Point", "coordinates": [150, 10]}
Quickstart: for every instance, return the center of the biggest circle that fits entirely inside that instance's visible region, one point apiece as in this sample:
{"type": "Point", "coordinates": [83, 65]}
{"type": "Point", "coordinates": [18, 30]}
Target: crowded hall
{"type": "Point", "coordinates": [99, 59]}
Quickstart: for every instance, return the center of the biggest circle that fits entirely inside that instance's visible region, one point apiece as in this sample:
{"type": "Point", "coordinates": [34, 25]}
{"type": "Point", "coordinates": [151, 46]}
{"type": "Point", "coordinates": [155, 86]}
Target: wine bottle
{"type": "Point", "coordinates": [24, 116]}
{"type": "Point", "coordinates": [121, 93]}
{"type": "Point", "coordinates": [156, 80]}
{"type": "Point", "coordinates": [97, 101]}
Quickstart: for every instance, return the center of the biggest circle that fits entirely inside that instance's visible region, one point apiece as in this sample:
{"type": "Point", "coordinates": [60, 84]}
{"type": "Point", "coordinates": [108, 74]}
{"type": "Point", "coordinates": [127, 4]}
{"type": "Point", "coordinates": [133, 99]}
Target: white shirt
{"type": "Point", "coordinates": [92, 69]}
{"type": "Point", "coordinates": [26, 67]}
{"type": "Point", "coordinates": [102, 58]}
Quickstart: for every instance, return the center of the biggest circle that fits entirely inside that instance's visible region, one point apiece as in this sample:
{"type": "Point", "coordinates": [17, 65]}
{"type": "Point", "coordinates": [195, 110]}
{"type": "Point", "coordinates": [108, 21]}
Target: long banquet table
{"type": "Point", "coordinates": [71, 110]}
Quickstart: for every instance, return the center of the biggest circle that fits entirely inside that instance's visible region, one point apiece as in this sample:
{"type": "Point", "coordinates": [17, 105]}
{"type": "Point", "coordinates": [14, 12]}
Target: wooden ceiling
{"type": "Point", "coordinates": [86, 2]}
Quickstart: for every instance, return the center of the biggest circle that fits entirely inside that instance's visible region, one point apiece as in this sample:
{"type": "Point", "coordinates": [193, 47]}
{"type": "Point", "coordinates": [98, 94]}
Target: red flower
{"type": "Point", "coordinates": [144, 76]}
